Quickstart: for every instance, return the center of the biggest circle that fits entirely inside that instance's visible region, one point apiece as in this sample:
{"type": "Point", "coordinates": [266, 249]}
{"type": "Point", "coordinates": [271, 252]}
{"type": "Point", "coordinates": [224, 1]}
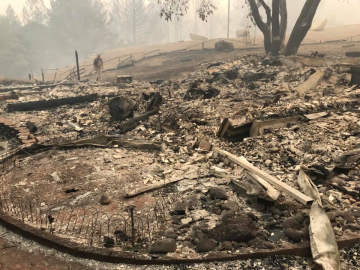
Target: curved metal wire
{"type": "Point", "coordinates": [89, 224]}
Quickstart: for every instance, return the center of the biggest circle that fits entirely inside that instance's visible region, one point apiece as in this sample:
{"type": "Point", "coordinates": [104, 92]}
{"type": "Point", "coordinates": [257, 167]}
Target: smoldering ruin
{"type": "Point", "coordinates": [237, 153]}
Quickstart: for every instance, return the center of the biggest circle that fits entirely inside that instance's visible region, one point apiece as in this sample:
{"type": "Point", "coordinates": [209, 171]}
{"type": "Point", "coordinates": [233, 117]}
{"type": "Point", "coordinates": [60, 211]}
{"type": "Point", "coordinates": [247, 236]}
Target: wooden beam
{"type": "Point", "coordinates": [175, 179]}
{"type": "Point", "coordinates": [272, 192]}
{"type": "Point", "coordinates": [302, 198]}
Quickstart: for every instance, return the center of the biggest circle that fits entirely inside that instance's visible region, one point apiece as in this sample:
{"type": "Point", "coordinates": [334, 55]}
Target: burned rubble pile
{"type": "Point", "coordinates": [252, 149]}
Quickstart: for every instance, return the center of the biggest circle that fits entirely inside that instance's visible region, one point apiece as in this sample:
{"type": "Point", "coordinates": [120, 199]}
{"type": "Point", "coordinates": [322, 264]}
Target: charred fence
{"type": "Point", "coordinates": [91, 226]}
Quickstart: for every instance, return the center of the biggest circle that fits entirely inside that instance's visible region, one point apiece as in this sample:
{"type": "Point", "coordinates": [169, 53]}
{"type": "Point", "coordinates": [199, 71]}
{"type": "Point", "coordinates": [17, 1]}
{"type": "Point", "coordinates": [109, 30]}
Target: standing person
{"type": "Point", "coordinates": [98, 66]}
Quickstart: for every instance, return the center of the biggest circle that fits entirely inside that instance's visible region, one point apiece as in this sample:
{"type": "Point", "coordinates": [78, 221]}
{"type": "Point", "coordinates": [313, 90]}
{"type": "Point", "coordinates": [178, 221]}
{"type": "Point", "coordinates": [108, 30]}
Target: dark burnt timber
{"type": "Point", "coordinates": [36, 105]}
{"type": "Point", "coordinates": [6, 97]}
{"type": "Point", "coordinates": [132, 123]}
{"type": "Point", "coordinates": [37, 87]}
{"type": "Point", "coordinates": [352, 54]}
{"type": "Point", "coordinates": [355, 77]}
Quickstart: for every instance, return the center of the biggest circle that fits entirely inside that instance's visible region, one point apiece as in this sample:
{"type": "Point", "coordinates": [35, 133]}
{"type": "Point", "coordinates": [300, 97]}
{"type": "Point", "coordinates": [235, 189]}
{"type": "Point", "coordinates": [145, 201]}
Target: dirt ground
{"type": "Point", "coordinates": [178, 64]}
{"type": "Point", "coordinates": [94, 172]}
{"type": "Point", "coordinates": [168, 64]}
{"type": "Point", "coordinates": [11, 258]}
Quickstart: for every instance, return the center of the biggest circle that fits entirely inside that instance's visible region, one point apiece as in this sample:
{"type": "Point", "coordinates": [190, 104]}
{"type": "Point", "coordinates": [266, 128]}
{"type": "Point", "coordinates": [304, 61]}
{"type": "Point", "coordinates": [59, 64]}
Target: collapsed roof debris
{"type": "Point", "coordinates": [249, 148]}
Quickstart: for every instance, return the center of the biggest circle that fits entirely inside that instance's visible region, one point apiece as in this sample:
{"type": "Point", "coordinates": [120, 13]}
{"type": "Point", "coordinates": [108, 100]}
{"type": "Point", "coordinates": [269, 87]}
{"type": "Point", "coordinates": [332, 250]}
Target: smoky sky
{"type": "Point", "coordinates": [338, 12]}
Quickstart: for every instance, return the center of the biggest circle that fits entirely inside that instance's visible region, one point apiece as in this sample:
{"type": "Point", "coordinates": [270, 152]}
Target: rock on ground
{"type": "Point", "coordinates": [163, 246]}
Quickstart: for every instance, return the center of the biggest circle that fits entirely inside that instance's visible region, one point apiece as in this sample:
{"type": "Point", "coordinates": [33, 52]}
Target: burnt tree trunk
{"type": "Point", "coordinates": [276, 42]}
{"type": "Point", "coordinates": [264, 27]}
{"type": "Point", "coordinates": [302, 26]}
{"type": "Point", "coordinates": [283, 23]}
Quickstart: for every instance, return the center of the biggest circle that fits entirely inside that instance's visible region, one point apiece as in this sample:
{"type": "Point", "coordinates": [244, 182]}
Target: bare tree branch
{"type": "Point", "coordinates": [264, 28]}
{"type": "Point", "coordinates": [267, 10]}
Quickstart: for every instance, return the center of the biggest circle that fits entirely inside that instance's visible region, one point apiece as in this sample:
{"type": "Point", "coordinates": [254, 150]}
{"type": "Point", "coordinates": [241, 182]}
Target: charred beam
{"type": "Point", "coordinates": [37, 87]}
{"type": "Point", "coordinates": [133, 123]}
{"type": "Point", "coordinates": [44, 104]}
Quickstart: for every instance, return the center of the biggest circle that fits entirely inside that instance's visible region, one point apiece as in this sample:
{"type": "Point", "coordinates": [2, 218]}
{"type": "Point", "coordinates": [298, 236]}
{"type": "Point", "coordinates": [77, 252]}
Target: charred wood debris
{"type": "Point", "coordinates": [274, 144]}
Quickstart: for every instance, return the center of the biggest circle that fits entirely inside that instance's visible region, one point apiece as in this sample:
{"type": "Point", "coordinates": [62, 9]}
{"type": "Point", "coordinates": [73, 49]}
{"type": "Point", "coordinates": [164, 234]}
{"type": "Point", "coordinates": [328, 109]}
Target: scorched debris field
{"type": "Point", "coordinates": [238, 157]}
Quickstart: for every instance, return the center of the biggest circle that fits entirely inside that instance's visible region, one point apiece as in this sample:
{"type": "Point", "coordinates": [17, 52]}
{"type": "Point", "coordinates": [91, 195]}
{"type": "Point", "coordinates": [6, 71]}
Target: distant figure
{"type": "Point", "coordinates": [98, 66]}
{"type": "Point", "coordinates": [29, 76]}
